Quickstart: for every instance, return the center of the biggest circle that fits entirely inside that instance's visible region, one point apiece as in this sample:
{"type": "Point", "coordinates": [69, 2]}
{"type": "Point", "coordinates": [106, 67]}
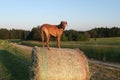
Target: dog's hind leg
{"type": "Point", "coordinates": [47, 42]}
{"type": "Point", "coordinates": [42, 36]}
{"type": "Point", "coordinates": [47, 38]}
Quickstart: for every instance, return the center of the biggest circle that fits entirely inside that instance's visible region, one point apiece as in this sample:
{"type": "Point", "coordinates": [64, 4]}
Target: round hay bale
{"type": "Point", "coordinates": [59, 64]}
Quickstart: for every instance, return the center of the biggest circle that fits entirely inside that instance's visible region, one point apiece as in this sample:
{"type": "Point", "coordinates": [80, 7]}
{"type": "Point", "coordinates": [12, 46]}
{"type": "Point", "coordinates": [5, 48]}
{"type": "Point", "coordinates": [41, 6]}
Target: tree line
{"type": "Point", "coordinates": [105, 32]}
{"type": "Point", "coordinates": [13, 34]}
{"type": "Point", "coordinates": [68, 35]}
{"type": "Point", "coordinates": [73, 35]}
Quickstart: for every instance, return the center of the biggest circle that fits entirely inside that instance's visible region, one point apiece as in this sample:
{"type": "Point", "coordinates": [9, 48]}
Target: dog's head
{"type": "Point", "coordinates": [63, 24]}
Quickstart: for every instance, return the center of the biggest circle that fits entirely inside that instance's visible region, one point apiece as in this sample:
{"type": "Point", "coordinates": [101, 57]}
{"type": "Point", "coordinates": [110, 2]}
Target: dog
{"type": "Point", "coordinates": [52, 30]}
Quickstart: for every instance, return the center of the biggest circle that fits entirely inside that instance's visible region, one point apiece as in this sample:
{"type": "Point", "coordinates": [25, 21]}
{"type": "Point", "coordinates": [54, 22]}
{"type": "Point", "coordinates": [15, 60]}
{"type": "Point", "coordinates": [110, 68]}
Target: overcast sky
{"type": "Point", "coordinates": [80, 14]}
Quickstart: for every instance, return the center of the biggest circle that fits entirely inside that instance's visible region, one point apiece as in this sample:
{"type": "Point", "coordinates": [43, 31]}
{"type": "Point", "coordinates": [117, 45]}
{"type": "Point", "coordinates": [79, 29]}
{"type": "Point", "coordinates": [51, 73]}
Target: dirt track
{"type": "Point", "coordinates": [106, 64]}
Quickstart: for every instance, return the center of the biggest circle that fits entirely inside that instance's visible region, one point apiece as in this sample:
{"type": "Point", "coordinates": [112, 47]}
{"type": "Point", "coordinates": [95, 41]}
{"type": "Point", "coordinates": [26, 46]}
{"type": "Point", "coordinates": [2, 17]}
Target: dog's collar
{"type": "Point", "coordinates": [61, 27]}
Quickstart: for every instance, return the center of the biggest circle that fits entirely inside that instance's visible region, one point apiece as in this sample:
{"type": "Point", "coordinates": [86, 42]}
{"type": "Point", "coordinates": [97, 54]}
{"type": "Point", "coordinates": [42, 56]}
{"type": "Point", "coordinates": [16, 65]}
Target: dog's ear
{"type": "Point", "coordinates": [63, 23]}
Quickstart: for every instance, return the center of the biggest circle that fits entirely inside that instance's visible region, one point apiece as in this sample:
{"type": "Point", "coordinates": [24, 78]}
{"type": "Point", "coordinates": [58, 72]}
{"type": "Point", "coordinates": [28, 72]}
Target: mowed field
{"type": "Point", "coordinates": [14, 62]}
{"type": "Point", "coordinates": [15, 59]}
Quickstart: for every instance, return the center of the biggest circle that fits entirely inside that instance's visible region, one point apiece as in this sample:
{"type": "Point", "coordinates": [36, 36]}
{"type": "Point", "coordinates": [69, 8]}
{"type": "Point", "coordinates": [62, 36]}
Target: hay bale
{"type": "Point", "coordinates": [59, 64]}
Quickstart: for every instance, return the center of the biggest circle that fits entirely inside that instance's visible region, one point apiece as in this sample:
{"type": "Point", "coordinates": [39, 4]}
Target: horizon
{"type": "Point", "coordinates": [65, 29]}
{"type": "Point", "coordinates": [81, 15]}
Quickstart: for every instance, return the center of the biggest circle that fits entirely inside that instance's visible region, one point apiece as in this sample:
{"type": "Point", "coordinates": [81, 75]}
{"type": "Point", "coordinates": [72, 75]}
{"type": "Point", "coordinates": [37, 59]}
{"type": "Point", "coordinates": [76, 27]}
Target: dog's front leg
{"type": "Point", "coordinates": [58, 42]}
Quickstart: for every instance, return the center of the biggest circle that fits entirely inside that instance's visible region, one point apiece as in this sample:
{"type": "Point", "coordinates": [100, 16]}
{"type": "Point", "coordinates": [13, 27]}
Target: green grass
{"type": "Point", "coordinates": [104, 49]}
{"type": "Point", "coordinates": [31, 43]}
{"type": "Point", "coordinates": [14, 64]}
{"type": "Point", "coordinates": [103, 53]}
{"type": "Point", "coordinates": [4, 73]}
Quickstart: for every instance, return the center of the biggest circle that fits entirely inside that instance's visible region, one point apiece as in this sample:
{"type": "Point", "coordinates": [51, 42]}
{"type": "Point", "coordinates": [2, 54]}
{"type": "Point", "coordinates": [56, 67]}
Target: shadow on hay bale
{"type": "Point", "coordinates": [58, 64]}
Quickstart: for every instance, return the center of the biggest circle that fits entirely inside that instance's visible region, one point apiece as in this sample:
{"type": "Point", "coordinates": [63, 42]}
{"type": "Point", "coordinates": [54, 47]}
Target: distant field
{"type": "Point", "coordinates": [15, 64]}
{"type": "Point", "coordinates": [104, 49]}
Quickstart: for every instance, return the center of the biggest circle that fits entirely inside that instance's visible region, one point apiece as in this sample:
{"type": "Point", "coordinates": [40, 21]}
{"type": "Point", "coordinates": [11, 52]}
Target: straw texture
{"type": "Point", "coordinates": [59, 64]}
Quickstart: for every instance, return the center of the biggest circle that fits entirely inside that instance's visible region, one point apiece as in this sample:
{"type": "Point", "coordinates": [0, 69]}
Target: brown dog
{"type": "Point", "coordinates": [52, 30]}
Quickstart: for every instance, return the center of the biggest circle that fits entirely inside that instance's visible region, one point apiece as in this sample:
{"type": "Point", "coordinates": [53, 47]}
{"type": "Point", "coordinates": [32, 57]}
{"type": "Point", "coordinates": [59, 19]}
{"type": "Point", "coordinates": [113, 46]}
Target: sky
{"type": "Point", "coordinates": [80, 14]}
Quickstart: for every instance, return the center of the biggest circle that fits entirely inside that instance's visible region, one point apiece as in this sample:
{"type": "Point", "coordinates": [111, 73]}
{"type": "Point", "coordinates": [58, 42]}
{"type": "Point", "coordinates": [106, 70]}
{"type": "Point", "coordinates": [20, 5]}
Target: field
{"type": "Point", "coordinates": [14, 62]}
{"type": "Point", "coordinates": [15, 59]}
{"type": "Point", "coordinates": [103, 49]}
